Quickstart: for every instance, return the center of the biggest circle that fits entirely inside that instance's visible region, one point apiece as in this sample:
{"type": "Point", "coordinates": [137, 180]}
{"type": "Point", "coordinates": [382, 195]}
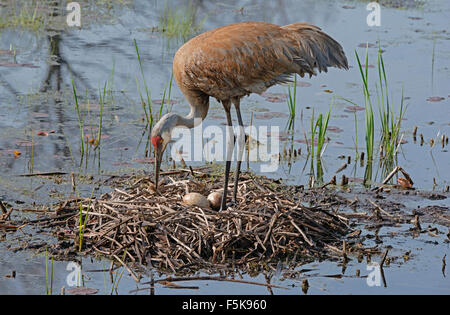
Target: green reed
{"type": "Point", "coordinates": [369, 119]}
{"type": "Point", "coordinates": [291, 102]}
{"type": "Point", "coordinates": [319, 126]}
{"type": "Point", "coordinates": [48, 277]}
{"type": "Point", "coordinates": [164, 97]}
{"type": "Point", "coordinates": [390, 125]}
{"type": "Point", "coordinates": [80, 120]}
{"type": "Point", "coordinates": [322, 125]}
{"type": "Point", "coordinates": [101, 98]}
{"type": "Point", "coordinates": [147, 110]}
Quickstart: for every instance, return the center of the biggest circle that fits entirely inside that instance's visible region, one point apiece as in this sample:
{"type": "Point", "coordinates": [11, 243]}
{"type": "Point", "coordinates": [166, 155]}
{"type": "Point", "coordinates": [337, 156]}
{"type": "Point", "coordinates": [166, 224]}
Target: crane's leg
{"type": "Point", "coordinates": [229, 153]}
{"type": "Point", "coordinates": [240, 146]}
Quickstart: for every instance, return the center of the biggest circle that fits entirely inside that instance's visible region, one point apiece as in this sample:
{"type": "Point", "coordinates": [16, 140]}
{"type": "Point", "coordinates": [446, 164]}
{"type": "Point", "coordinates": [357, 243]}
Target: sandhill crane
{"type": "Point", "coordinates": [236, 60]}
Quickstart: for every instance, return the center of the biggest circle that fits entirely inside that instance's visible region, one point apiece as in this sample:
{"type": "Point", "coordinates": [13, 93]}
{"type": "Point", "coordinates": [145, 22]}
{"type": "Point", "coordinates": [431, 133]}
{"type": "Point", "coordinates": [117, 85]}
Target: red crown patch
{"type": "Point", "coordinates": [156, 141]}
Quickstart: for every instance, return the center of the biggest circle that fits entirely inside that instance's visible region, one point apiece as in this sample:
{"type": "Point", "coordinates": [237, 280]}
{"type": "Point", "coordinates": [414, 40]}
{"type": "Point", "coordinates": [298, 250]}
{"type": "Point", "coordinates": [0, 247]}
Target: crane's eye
{"type": "Point", "coordinates": [156, 141]}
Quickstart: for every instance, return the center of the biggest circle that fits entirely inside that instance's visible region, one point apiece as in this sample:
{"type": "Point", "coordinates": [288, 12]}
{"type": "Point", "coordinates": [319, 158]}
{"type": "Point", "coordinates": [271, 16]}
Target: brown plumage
{"type": "Point", "coordinates": [239, 59]}
{"type": "Point", "coordinates": [236, 60]}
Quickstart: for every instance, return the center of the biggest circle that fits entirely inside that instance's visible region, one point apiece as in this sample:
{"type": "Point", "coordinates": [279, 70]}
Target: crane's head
{"type": "Point", "coordinates": [161, 136]}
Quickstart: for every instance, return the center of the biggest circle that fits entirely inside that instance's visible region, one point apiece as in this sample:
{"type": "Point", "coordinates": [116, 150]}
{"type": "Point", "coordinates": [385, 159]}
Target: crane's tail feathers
{"type": "Point", "coordinates": [310, 48]}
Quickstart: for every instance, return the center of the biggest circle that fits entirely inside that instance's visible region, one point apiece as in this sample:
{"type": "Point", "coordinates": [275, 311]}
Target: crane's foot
{"type": "Point", "coordinates": [232, 204]}
{"type": "Point", "coordinates": [228, 205]}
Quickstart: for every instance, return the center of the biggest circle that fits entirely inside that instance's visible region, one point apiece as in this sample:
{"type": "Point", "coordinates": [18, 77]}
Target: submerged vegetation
{"type": "Point", "coordinates": [399, 4]}
{"type": "Point", "coordinates": [179, 22]}
{"type": "Point", "coordinates": [37, 16]}
{"type": "Point", "coordinates": [23, 15]}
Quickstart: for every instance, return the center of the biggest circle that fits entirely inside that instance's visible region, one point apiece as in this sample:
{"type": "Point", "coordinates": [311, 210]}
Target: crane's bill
{"type": "Point", "coordinates": [157, 168]}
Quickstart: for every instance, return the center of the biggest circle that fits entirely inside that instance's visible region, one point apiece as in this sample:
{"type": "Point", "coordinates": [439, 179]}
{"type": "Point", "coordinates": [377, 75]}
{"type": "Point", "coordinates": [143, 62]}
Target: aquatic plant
{"type": "Point", "coordinates": [400, 4]}
{"type": "Point", "coordinates": [101, 98]}
{"type": "Point", "coordinates": [148, 114]}
{"type": "Point", "coordinates": [48, 277]}
{"type": "Point", "coordinates": [390, 125]}
{"type": "Point", "coordinates": [291, 101]}
{"type": "Point", "coordinates": [179, 22]}
{"type": "Point", "coordinates": [38, 16]}
{"type": "Point", "coordinates": [370, 129]}
{"type": "Point", "coordinates": [118, 277]}
{"type": "Point", "coordinates": [164, 97]}
{"type": "Point", "coordinates": [80, 120]}
{"type": "Point", "coordinates": [28, 15]}
{"type": "Point", "coordinates": [322, 126]}
{"type": "Point", "coordinates": [318, 126]}
{"type": "Point", "coordinates": [356, 134]}
{"type": "Point", "coordinates": [96, 133]}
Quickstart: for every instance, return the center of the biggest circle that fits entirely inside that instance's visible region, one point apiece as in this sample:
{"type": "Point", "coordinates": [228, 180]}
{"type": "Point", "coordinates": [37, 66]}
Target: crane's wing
{"type": "Point", "coordinates": [239, 59]}
{"type": "Point", "coordinates": [313, 49]}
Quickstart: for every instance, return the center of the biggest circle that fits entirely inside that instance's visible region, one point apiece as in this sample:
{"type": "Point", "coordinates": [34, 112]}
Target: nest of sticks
{"type": "Point", "coordinates": [134, 224]}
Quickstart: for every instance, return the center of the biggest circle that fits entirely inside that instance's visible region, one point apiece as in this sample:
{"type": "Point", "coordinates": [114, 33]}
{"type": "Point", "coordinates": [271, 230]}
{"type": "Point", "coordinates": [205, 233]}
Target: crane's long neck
{"type": "Point", "coordinates": [199, 110]}
{"type": "Point", "coordinates": [162, 131]}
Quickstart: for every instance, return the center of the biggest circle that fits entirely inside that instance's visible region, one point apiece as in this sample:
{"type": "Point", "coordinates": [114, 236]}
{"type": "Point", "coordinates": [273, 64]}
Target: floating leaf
{"type": "Point", "coordinates": [40, 115]}
{"type": "Point", "coordinates": [435, 99]}
{"type": "Point", "coordinates": [171, 102]}
{"type": "Point", "coordinates": [271, 115]}
{"type": "Point", "coordinates": [282, 136]}
{"type": "Point", "coordinates": [303, 84]}
{"type": "Point", "coordinates": [103, 136]}
{"type": "Point", "coordinates": [11, 64]}
{"type": "Point", "coordinates": [82, 291]}
{"type": "Point", "coordinates": [6, 52]}
{"type": "Point", "coordinates": [147, 160]}
{"type": "Point", "coordinates": [274, 97]}
{"type": "Point", "coordinates": [334, 129]}
{"type": "Point", "coordinates": [352, 109]}
{"type": "Point", "coordinates": [364, 45]}
{"type": "Point", "coordinates": [121, 163]}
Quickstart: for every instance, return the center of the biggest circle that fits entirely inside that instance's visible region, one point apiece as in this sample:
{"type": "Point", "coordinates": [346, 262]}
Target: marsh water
{"type": "Point", "coordinates": [40, 124]}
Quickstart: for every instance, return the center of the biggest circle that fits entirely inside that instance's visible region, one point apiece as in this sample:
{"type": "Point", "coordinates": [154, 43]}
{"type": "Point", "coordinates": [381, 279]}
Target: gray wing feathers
{"type": "Point", "coordinates": [313, 49]}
